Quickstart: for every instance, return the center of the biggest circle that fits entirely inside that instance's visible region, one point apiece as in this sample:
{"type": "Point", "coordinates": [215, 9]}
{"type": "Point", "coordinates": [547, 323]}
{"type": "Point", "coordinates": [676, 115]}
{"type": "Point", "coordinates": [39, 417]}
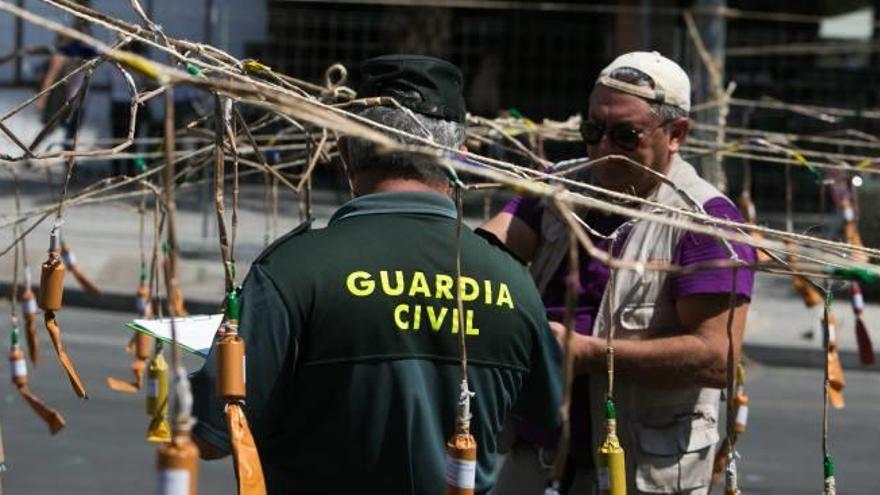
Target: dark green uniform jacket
{"type": "Point", "coordinates": [353, 363]}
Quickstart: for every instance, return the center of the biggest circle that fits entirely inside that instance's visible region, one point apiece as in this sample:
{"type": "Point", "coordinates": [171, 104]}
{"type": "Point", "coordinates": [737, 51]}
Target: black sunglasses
{"type": "Point", "coordinates": [624, 136]}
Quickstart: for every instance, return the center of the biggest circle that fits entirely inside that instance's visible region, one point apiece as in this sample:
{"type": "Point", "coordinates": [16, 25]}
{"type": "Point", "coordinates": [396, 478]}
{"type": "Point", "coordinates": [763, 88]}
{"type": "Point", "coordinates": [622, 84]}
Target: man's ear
{"type": "Point", "coordinates": [678, 131]}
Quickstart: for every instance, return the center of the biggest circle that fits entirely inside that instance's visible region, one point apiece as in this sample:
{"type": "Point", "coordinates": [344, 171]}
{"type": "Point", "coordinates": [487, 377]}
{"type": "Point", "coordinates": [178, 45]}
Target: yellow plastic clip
{"type": "Point", "coordinates": [139, 64]}
{"type": "Point", "coordinates": [252, 65]}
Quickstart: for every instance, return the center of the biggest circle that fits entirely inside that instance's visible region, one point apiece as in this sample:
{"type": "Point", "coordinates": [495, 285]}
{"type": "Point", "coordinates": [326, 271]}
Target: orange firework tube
{"type": "Point", "coordinates": [29, 310]}
{"type": "Point", "coordinates": [177, 302]}
{"type": "Point", "coordinates": [230, 355]}
{"type": "Point", "coordinates": [742, 412]}
{"type": "Point", "coordinates": [836, 381]}
{"type": "Point", "coordinates": [461, 449]}
{"type": "Point", "coordinates": [50, 298]}
{"type": "Point", "coordinates": [140, 343]}
{"type": "Point", "coordinates": [51, 279]}
{"type": "Point", "coordinates": [178, 465]}
{"type": "Point", "coordinates": [70, 262]}
{"type": "Point", "coordinates": [461, 464]}
{"type": "Point", "coordinates": [53, 418]}
{"type": "Point", "coordinates": [231, 363]}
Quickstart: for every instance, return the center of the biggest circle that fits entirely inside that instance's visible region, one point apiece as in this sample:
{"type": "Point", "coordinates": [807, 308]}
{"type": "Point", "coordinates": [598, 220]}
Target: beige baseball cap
{"type": "Point", "coordinates": [671, 83]}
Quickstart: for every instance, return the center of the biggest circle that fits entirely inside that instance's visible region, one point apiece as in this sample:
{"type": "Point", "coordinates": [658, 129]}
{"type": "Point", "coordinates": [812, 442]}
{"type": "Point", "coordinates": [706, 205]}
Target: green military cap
{"type": "Point", "coordinates": [426, 85]}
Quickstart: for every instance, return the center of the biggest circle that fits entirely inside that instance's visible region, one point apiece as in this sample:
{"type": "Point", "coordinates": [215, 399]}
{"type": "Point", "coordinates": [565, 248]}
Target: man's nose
{"type": "Point", "coordinates": [603, 148]}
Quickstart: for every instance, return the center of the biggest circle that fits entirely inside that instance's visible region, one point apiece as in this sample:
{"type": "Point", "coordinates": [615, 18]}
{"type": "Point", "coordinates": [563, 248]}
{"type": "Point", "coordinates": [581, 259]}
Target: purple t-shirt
{"type": "Point", "coordinates": [692, 248]}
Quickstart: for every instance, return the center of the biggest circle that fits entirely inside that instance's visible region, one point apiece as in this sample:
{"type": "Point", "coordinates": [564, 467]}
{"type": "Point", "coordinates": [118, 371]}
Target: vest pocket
{"type": "Point", "coordinates": [636, 317]}
{"type": "Point", "coordinates": [677, 456]}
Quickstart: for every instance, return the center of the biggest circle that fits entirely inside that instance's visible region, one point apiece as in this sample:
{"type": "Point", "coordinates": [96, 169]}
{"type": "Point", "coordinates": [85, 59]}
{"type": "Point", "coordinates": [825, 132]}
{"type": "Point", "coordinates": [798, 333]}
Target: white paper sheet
{"type": "Point", "coordinates": [195, 333]}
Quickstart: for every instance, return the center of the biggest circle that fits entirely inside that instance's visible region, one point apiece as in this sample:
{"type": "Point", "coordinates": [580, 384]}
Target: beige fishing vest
{"type": "Point", "coordinates": [669, 435]}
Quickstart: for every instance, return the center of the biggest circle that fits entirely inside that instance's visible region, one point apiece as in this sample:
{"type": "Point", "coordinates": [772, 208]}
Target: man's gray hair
{"type": "Point", "coordinates": [363, 157]}
{"type": "Point", "coordinates": [631, 75]}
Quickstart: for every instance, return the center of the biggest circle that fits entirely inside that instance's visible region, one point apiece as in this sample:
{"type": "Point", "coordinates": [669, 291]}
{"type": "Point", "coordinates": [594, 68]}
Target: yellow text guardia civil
{"type": "Point", "coordinates": [406, 316]}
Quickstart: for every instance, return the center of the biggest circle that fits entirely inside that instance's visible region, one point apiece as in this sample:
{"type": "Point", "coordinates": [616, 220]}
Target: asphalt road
{"type": "Point", "coordinates": [102, 449]}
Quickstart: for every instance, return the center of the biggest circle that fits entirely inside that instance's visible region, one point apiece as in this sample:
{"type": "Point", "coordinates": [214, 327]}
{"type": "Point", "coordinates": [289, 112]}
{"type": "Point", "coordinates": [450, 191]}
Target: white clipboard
{"type": "Point", "coordinates": [195, 333]}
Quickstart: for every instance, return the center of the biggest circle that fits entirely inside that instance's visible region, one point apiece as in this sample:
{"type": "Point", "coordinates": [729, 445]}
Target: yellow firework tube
{"type": "Point", "coordinates": [610, 459]}
{"type": "Point", "coordinates": [157, 400]}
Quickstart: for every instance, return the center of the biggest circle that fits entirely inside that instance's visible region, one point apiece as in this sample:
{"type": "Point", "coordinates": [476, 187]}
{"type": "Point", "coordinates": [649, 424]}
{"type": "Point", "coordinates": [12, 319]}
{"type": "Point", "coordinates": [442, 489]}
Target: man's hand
{"type": "Point", "coordinates": [586, 349]}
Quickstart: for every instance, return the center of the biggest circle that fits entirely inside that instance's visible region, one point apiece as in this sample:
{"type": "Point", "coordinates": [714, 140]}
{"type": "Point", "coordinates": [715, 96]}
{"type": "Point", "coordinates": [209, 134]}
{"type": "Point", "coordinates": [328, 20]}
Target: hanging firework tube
{"type": "Point", "coordinates": [29, 310]}
{"type": "Point", "coordinates": [735, 403]}
{"type": "Point", "coordinates": [159, 430]}
{"type": "Point", "coordinates": [231, 389]}
{"type": "Point", "coordinates": [809, 294]}
{"type": "Point", "coordinates": [836, 381]}
{"type": "Point", "coordinates": [72, 266]}
{"type": "Point", "coordinates": [28, 299]}
{"type": "Point", "coordinates": [812, 299]}
{"type": "Point", "coordinates": [140, 343]}
{"type": "Point", "coordinates": [461, 448]}
{"type": "Point", "coordinates": [53, 418]}
{"type": "Point", "coordinates": [49, 300]}
{"type": "Point", "coordinates": [177, 461]}
{"type": "Point", "coordinates": [863, 339]}
{"type": "Point", "coordinates": [741, 408]}
{"type": "Point", "coordinates": [830, 485]}
{"type": "Point", "coordinates": [737, 410]}
{"type": "Point", "coordinates": [610, 459]}
{"type": "Point", "coordinates": [157, 389]}
{"type": "Point", "coordinates": [851, 236]}
{"type": "Point", "coordinates": [741, 401]}
{"type": "Point", "coordinates": [230, 348]}
{"type": "Point", "coordinates": [850, 228]}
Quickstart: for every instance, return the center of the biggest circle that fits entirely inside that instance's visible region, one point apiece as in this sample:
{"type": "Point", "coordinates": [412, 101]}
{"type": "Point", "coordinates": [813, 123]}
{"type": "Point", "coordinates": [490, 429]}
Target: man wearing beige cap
{"type": "Point", "coordinates": [670, 347]}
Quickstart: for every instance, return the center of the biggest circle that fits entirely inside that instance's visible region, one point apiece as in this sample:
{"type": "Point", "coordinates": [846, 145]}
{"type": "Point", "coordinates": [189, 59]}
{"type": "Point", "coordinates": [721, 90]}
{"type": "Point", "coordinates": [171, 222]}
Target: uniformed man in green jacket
{"type": "Point", "coordinates": [352, 331]}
